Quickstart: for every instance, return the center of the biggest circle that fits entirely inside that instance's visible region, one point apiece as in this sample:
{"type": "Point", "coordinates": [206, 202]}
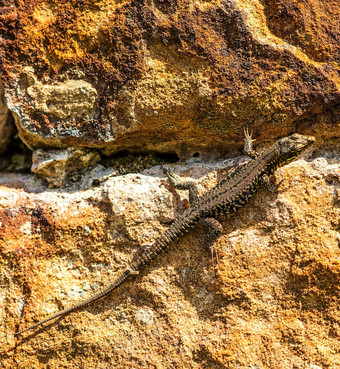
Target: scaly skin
{"type": "Point", "coordinates": [226, 197]}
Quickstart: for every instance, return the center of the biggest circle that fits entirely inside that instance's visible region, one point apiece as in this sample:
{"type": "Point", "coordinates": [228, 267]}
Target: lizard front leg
{"type": "Point", "coordinates": [270, 186]}
{"type": "Point", "coordinates": [248, 145]}
{"type": "Point", "coordinates": [182, 184]}
{"type": "Point", "coordinates": [249, 151]}
{"type": "Point", "coordinates": [215, 227]}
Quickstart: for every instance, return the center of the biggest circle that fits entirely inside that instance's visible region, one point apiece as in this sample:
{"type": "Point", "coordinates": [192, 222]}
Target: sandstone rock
{"type": "Point", "coordinates": [6, 122]}
{"type": "Point", "coordinates": [151, 75]}
{"type": "Point", "coordinates": [72, 98]}
{"type": "Point", "coordinates": [268, 296]}
{"type": "Point", "coordinates": [58, 167]}
{"type": "Point", "coordinates": [177, 77]}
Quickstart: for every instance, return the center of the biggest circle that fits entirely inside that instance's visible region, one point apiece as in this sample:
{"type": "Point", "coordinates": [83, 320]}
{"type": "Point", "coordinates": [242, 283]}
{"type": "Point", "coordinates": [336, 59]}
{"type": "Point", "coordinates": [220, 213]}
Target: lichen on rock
{"type": "Point", "coordinates": [59, 167]}
{"type": "Point", "coordinates": [154, 75]}
{"type": "Point", "coordinates": [6, 121]}
{"type": "Point", "coordinates": [72, 98]}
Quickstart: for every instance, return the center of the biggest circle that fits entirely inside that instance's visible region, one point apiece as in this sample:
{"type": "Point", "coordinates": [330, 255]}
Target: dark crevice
{"type": "Point", "coordinates": [16, 158]}
{"type": "Point", "coordinates": [130, 162]}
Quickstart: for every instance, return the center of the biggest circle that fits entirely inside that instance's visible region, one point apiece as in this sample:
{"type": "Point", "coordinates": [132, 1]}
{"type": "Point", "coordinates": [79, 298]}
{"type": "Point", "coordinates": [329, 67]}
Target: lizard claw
{"type": "Point", "coordinates": [248, 135]}
{"type": "Point", "coordinates": [173, 178]}
{"type": "Point", "coordinates": [248, 144]}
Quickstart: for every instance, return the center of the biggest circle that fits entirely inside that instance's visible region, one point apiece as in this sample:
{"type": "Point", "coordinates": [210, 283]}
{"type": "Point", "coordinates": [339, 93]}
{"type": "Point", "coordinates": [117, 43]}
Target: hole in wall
{"type": "Point", "coordinates": [126, 161]}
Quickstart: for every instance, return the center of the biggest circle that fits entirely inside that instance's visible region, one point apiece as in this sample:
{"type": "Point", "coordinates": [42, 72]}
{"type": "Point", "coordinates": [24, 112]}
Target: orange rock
{"type": "Point", "coordinates": [136, 75]}
{"type": "Point", "coordinates": [268, 296]}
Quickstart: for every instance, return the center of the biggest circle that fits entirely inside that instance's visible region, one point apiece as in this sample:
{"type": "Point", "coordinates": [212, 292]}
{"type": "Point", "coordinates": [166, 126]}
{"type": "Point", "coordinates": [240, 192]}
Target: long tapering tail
{"type": "Point", "coordinates": [177, 229]}
{"type": "Point", "coordinates": [105, 291]}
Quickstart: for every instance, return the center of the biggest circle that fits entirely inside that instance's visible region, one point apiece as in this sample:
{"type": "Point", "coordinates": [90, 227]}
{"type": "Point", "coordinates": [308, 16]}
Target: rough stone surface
{"type": "Point", "coordinates": [64, 99]}
{"type": "Point", "coordinates": [151, 75]}
{"type": "Point", "coordinates": [184, 78]}
{"type": "Point", "coordinates": [6, 122]}
{"type": "Point", "coordinates": [267, 297]}
{"type": "Point", "coordinates": [58, 167]}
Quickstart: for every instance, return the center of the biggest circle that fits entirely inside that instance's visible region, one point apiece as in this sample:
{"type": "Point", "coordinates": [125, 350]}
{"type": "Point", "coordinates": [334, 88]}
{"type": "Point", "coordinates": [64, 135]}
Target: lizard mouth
{"type": "Point", "coordinates": [292, 146]}
{"type": "Point", "coordinates": [306, 141]}
{"type": "Point", "coordinates": [296, 143]}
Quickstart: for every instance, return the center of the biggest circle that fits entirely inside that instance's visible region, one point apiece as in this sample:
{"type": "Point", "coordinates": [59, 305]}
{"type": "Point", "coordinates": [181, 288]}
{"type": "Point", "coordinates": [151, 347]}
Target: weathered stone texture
{"type": "Point", "coordinates": [58, 167]}
{"type": "Point", "coordinates": [140, 74]}
{"type": "Point", "coordinates": [64, 99]}
{"type": "Point", "coordinates": [86, 76]}
{"type": "Point", "coordinates": [267, 297]}
{"type": "Point", "coordinates": [6, 122]}
{"type": "Point", "coordinates": [310, 25]}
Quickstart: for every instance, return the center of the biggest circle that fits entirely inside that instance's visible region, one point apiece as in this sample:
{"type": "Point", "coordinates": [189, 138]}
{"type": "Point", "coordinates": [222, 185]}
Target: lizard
{"type": "Point", "coordinates": [226, 197]}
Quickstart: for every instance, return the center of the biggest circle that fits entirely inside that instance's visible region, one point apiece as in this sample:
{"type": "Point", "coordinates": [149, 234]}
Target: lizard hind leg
{"type": "Point", "coordinates": [215, 230]}
{"type": "Point", "coordinates": [272, 187]}
{"type": "Point", "coordinates": [145, 247]}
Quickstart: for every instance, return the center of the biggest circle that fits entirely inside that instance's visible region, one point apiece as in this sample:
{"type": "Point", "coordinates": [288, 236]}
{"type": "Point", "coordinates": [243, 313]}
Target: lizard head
{"type": "Point", "coordinates": [292, 146]}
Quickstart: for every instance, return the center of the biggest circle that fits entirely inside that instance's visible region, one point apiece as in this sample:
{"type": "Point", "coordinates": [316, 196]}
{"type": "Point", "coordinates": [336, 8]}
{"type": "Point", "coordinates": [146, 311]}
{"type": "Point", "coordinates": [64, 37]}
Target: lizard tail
{"type": "Point", "coordinates": [97, 296]}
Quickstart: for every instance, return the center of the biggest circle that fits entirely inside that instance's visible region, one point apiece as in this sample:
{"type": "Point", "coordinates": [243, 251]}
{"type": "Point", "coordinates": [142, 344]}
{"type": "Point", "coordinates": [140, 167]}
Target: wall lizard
{"type": "Point", "coordinates": [226, 197]}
